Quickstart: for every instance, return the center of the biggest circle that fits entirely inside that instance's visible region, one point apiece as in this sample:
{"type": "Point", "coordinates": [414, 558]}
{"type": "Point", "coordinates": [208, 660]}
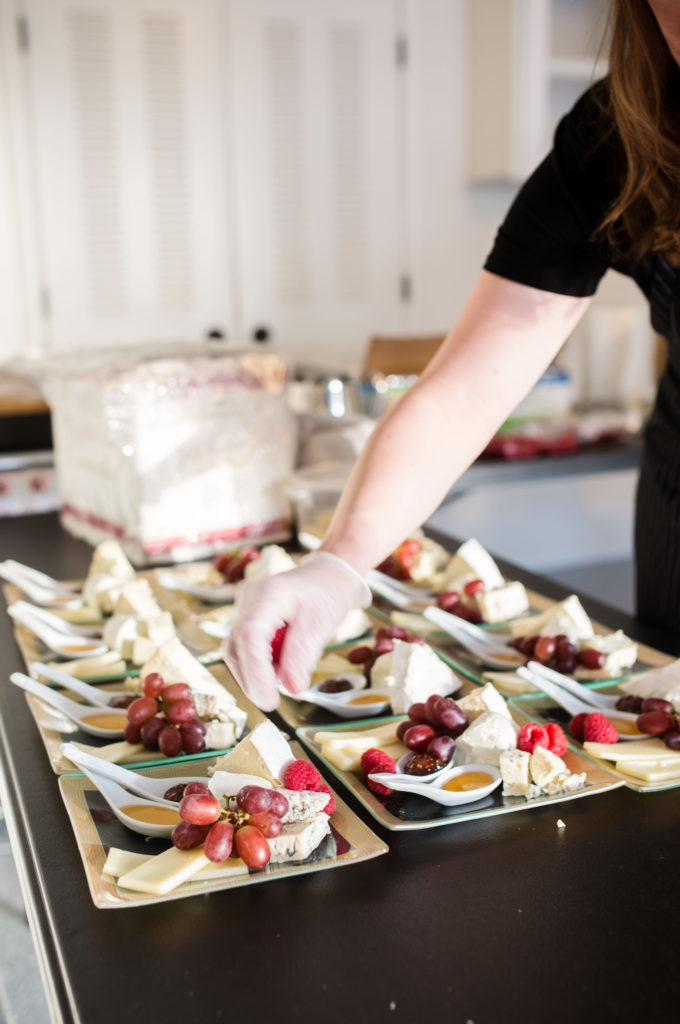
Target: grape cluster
{"type": "Point", "coordinates": [454, 602]}
{"type": "Point", "coordinates": [384, 637]}
{"type": "Point", "coordinates": [656, 717]}
{"type": "Point", "coordinates": [559, 652]}
{"type": "Point", "coordinates": [165, 719]}
{"type": "Point", "coordinates": [430, 731]}
{"type": "Point", "coordinates": [232, 564]}
{"type": "Point", "coordinates": [247, 829]}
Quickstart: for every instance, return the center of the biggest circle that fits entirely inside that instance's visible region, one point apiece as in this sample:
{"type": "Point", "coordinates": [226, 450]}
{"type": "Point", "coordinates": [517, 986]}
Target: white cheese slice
{"type": "Point", "coordinates": [502, 603]}
{"type": "Point", "coordinates": [568, 617]}
{"type": "Point", "coordinates": [650, 771]}
{"type": "Point", "coordinates": [481, 699]}
{"type": "Point", "coordinates": [120, 862]}
{"type": "Point", "coordinates": [634, 750]}
{"type": "Point", "coordinates": [297, 841]}
{"type": "Point", "coordinates": [377, 735]}
{"type": "Point", "coordinates": [158, 628]}
{"type": "Point", "coordinates": [264, 752]}
{"type": "Point", "coordinates": [163, 873]}
{"type": "Point", "coordinates": [484, 741]}
{"type": "Point", "coordinates": [663, 682]}
{"type": "Point", "coordinates": [514, 766]}
{"type": "Point", "coordinates": [345, 759]}
{"type": "Point", "coordinates": [411, 673]}
{"type": "Point", "coordinates": [110, 559]}
{"type": "Point", "coordinates": [544, 767]}
{"type": "Point", "coordinates": [273, 560]}
{"type": "Point", "coordinates": [100, 590]}
{"type": "Point", "coordinates": [471, 561]}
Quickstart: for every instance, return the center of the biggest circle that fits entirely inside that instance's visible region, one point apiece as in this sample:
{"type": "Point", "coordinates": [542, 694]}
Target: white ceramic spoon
{"type": "Point", "coordinates": [44, 594]}
{"type": "Point", "coordinates": [576, 705]}
{"type": "Point", "coordinates": [67, 647]}
{"type": "Point", "coordinates": [120, 801]}
{"type": "Point", "coordinates": [78, 713]}
{"type": "Point", "coordinates": [142, 785]}
{"type": "Point", "coordinates": [23, 608]}
{"type": "Point", "coordinates": [434, 790]}
{"type": "Point", "coordinates": [92, 694]}
{"type": "Point", "coordinates": [219, 630]}
{"type": "Point", "coordinates": [598, 700]}
{"type": "Point", "coordinates": [486, 647]}
{"type": "Point", "coordinates": [41, 579]}
{"type": "Point", "coordinates": [340, 703]}
{"type": "Point", "coordinates": [211, 593]}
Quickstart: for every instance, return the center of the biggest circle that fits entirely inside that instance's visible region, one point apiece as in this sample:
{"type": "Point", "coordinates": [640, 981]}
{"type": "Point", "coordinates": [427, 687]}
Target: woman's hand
{"type": "Point", "coordinates": [308, 602]}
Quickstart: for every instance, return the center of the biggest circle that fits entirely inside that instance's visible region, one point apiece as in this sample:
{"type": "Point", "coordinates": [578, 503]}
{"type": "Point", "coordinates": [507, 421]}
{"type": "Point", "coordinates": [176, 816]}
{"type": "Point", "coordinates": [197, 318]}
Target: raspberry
{"type": "Point", "coordinates": [277, 644]}
{"type": "Point", "coordinates": [557, 741]}
{"type": "Point", "coordinates": [301, 775]}
{"type": "Point", "coordinates": [599, 729]}
{"type": "Point", "coordinates": [375, 760]}
{"type": "Point", "coordinates": [533, 735]}
{"type": "Point", "coordinates": [330, 806]}
{"type": "Point", "coordinates": [577, 725]}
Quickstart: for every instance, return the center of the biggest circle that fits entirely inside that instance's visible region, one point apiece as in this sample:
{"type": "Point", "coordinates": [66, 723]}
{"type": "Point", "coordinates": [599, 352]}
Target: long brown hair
{"type": "Point", "coordinates": [641, 69]}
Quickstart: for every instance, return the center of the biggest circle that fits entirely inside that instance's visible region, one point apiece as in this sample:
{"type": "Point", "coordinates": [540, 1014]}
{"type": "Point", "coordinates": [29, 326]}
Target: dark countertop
{"type": "Point", "coordinates": [501, 920]}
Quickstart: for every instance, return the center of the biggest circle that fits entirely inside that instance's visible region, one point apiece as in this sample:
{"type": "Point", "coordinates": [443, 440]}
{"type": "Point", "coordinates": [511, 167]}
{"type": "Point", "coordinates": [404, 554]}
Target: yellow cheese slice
{"type": "Point", "coordinates": [649, 771]}
{"type": "Point", "coordinates": [160, 875]}
{"type": "Point", "coordinates": [377, 734]}
{"type": "Point", "coordinates": [106, 664]}
{"type": "Point", "coordinates": [120, 862]}
{"type": "Point", "coordinates": [344, 760]}
{"type": "Point", "coordinates": [116, 753]}
{"type": "Point", "coordinates": [633, 750]}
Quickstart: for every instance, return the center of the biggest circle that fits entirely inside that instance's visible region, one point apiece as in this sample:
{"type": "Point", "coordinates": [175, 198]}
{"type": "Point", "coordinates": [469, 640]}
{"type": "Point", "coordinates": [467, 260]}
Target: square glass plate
{"type": "Point", "coordinates": [55, 728]}
{"type": "Point", "coordinates": [405, 811]}
{"type": "Point", "coordinates": [537, 707]}
{"type": "Point", "coordinates": [96, 830]}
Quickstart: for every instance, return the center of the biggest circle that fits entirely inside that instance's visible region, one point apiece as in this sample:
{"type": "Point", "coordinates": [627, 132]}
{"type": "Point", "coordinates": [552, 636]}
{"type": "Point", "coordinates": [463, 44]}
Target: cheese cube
{"type": "Point", "coordinates": [481, 699]}
{"type": "Point", "coordinates": [514, 766]}
{"type": "Point", "coordinates": [502, 603]}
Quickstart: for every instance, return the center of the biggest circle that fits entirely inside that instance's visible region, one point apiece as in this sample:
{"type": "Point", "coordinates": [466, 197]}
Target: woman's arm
{"type": "Point", "coordinates": [504, 339]}
{"type": "Point", "coordinates": [506, 336]}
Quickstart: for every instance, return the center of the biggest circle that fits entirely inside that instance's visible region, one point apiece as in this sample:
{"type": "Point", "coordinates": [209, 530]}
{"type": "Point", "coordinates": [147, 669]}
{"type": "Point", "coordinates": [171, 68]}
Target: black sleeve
{"type": "Point", "coordinates": [546, 238]}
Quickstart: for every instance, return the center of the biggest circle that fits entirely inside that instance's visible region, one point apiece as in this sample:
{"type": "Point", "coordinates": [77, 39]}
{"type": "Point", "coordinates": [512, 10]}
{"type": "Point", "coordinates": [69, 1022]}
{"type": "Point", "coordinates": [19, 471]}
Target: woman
{"type": "Point", "coordinates": [607, 196]}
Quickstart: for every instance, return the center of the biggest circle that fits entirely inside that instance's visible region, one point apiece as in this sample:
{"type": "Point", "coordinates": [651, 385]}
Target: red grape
{"type": "Point", "coordinates": [473, 587]}
{"type": "Point", "coordinates": [418, 736]}
{"type": "Point", "coordinates": [219, 842]}
{"type": "Point", "coordinates": [279, 805]}
{"type": "Point", "coordinates": [142, 709]}
{"type": "Point", "coordinates": [417, 712]}
{"type": "Point", "coordinates": [655, 723]}
{"type": "Point", "coordinates": [452, 717]}
{"type": "Point", "coordinates": [132, 733]}
{"type": "Point", "coordinates": [153, 684]}
{"type": "Point", "coordinates": [431, 713]}
{"type": "Point", "coordinates": [544, 648]}
{"type": "Point", "coordinates": [150, 731]}
{"type": "Point", "coordinates": [196, 787]}
{"type": "Point", "coordinates": [180, 711]}
{"type": "Point", "coordinates": [193, 739]}
{"type": "Point", "coordinates": [358, 655]}
{"type": "Point", "coordinates": [222, 561]}
{"type": "Point", "coordinates": [252, 847]}
{"type": "Point", "coordinates": [402, 728]}
{"type": "Point", "coordinates": [268, 824]}
{"type": "Point", "coordinates": [175, 691]}
{"type": "Point", "coordinates": [169, 741]}
{"type": "Point", "coordinates": [441, 748]}
{"type": "Point", "coordinates": [631, 703]}
{"type": "Point", "coordinates": [672, 739]}
{"type": "Point", "coordinates": [122, 700]}
{"type": "Point", "coordinates": [186, 836]}
{"type": "Point", "coordinates": [565, 663]}
{"type": "Point", "coordinates": [657, 704]}
{"type": "Point", "coordinates": [448, 600]}
{"type": "Point", "coordinates": [199, 808]}
{"type": "Point", "coordinates": [384, 646]}
{"type": "Point", "coordinates": [253, 799]}
{"type": "Point", "coordinates": [399, 633]}
{"type": "Point", "coordinates": [469, 614]}
{"type": "Point", "coordinates": [199, 724]}
{"type": "Point", "coordinates": [591, 659]}
{"type": "Point", "coordinates": [382, 633]}
{"type": "Point", "coordinates": [175, 792]}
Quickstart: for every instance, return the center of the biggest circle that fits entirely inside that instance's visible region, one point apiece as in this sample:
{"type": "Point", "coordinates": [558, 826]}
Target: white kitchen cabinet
{"type": "Point", "coordinates": [131, 176]}
{"type": "Point", "coordinates": [529, 61]}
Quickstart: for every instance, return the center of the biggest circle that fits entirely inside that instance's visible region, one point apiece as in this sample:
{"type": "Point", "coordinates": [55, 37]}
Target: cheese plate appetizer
{"type": "Point", "coordinates": [306, 827]}
{"type": "Point", "coordinates": [455, 760]}
{"type": "Point", "coordinates": [648, 761]}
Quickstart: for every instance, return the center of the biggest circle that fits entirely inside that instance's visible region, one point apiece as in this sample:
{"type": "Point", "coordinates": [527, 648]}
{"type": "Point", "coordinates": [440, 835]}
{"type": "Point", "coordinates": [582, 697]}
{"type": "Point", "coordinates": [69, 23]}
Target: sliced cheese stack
{"type": "Point", "coordinates": [344, 747]}
{"type": "Point", "coordinates": [648, 761]}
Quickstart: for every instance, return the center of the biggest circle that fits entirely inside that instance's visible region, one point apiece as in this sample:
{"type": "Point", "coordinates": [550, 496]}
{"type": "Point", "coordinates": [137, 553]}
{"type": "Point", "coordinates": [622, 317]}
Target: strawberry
{"type": "Point", "coordinates": [599, 729]}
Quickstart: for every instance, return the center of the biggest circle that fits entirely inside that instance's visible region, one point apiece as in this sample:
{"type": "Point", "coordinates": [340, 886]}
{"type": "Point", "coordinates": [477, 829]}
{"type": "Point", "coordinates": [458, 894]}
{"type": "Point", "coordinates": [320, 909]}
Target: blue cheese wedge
{"type": "Point", "coordinates": [514, 766]}
{"type": "Point", "coordinates": [297, 841]}
{"type": "Point", "coordinates": [550, 775]}
{"type": "Point", "coordinates": [411, 673]}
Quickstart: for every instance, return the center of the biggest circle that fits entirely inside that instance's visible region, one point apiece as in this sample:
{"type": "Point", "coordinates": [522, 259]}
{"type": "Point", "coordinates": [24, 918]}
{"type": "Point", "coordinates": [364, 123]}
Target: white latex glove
{"type": "Point", "coordinates": [310, 601]}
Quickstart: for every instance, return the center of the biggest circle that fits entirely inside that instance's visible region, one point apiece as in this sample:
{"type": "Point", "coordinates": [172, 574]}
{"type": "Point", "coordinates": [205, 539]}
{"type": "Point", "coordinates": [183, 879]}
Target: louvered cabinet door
{"type": "Point", "coordinates": [318, 165]}
{"type": "Point", "coordinates": [131, 168]}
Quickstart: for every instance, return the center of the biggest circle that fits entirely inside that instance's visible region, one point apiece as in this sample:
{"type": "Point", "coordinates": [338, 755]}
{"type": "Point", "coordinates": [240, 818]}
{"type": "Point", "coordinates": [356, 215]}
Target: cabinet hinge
{"type": "Point", "coordinates": [405, 287]}
{"type": "Point", "coordinates": [401, 51]}
{"type": "Point", "coordinates": [23, 34]}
